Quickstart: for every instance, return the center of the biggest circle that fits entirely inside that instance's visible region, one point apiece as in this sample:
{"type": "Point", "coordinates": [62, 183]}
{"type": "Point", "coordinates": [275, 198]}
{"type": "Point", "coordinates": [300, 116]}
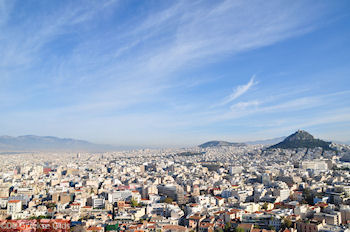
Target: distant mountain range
{"type": "Point", "coordinates": [48, 143]}
{"type": "Point", "coordinates": [220, 144]}
{"type": "Point", "coordinates": [26, 143]}
{"type": "Point", "coordinates": [302, 139]}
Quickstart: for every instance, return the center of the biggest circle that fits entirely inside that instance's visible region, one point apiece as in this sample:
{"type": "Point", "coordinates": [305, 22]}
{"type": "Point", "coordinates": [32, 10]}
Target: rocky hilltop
{"type": "Point", "coordinates": [302, 139]}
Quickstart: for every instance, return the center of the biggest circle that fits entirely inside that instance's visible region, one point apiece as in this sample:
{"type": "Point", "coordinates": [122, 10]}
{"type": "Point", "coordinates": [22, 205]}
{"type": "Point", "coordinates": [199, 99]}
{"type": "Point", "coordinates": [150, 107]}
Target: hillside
{"type": "Point", "coordinates": [219, 144]}
{"type": "Point", "coordinates": [302, 139]}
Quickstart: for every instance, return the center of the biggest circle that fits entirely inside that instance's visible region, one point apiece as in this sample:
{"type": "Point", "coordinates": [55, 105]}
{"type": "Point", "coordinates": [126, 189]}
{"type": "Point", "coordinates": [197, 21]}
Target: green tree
{"type": "Point", "coordinates": [287, 223]}
{"type": "Point", "coordinates": [265, 206]}
{"type": "Point", "coordinates": [228, 226]}
{"type": "Point", "coordinates": [168, 200]}
{"type": "Point", "coordinates": [308, 196]}
{"type": "Point", "coordinates": [134, 203]}
{"type": "Point", "coordinates": [51, 205]}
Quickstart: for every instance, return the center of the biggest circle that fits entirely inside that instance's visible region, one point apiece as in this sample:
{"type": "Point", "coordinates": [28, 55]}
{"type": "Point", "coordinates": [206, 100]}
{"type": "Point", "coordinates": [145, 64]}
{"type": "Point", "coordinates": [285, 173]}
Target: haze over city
{"type": "Point", "coordinates": [174, 73]}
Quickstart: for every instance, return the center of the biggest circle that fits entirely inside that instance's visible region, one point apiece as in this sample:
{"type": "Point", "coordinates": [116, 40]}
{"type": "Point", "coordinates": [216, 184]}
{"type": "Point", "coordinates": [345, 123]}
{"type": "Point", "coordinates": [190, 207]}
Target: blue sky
{"type": "Point", "coordinates": [174, 73]}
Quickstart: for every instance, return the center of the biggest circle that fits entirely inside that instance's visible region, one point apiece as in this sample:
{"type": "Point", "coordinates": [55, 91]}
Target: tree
{"type": "Point", "coordinates": [134, 203]}
{"type": "Point", "coordinates": [265, 206]}
{"type": "Point", "coordinates": [287, 223]}
{"type": "Point", "coordinates": [228, 226]}
{"type": "Point", "coordinates": [168, 200]}
{"type": "Point", "coordinates": [308, 196]}
{"type": "Point", "coordinates": [51, 205]}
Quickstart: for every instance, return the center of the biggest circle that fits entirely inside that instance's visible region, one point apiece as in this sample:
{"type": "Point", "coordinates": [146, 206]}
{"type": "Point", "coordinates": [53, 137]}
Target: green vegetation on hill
{"type": "Point", "coordinates": [220, 144]}
{"type": "Point", "coordinates": [302, 139]}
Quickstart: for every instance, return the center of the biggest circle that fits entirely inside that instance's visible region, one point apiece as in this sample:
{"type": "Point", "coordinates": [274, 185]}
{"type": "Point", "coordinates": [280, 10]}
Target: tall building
{"type": "Point", "coordinates": [175, 192]}
{"type": "Point", "coordinates": [14, 206]}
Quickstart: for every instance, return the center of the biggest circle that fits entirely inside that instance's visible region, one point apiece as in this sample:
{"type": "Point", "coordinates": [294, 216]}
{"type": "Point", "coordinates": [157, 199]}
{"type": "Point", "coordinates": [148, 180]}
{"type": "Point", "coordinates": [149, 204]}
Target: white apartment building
{"type": "Point", "coordinates": [14, 206]}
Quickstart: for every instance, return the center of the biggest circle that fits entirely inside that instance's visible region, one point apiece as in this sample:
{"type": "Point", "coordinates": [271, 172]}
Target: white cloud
{"type": "Point", "coordinates": [239, 91]}
{"type": "Point", "coordinates": [245, 105]}
{"type": "Point", "coordinates": [272, 106]}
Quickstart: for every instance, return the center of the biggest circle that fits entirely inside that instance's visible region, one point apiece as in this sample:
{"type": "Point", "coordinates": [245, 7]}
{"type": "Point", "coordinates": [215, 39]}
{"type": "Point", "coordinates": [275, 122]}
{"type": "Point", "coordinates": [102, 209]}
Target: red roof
{"type": "Point", "coordinates": [235, 210]}
{"type": "Point", "coordinates": [14, 201]}
{"type": "Point", "coordinates": [75, 204]}
{"type": "Point", "coordinates": [219, 212]}
{"type": "Point", "coordinates": [95, 228]}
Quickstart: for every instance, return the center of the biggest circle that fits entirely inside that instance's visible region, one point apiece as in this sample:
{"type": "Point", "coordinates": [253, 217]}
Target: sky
{"type": "Point", "coordinates": [174, 73]}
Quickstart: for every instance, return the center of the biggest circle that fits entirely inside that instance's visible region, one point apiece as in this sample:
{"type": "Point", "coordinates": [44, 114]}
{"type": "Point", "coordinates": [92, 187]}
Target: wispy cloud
{"type": "Point", "coordinates": [239, 91]}
{"type": "Point", "coordinates": [245, 105]}
{"type": "Point", "coordinates": [271, 107]}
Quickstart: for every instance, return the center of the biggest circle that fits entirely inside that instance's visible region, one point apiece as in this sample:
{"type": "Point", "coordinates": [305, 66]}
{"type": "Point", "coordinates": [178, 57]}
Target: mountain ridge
{"type": "Point", "coordinates": [48, 143]}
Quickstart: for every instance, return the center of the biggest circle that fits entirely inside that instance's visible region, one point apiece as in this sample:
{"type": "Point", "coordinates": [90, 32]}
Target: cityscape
{"type": "Point", "coordinates": [299, 184]}
{"type": "Point", "coordinates": [174, 116]}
